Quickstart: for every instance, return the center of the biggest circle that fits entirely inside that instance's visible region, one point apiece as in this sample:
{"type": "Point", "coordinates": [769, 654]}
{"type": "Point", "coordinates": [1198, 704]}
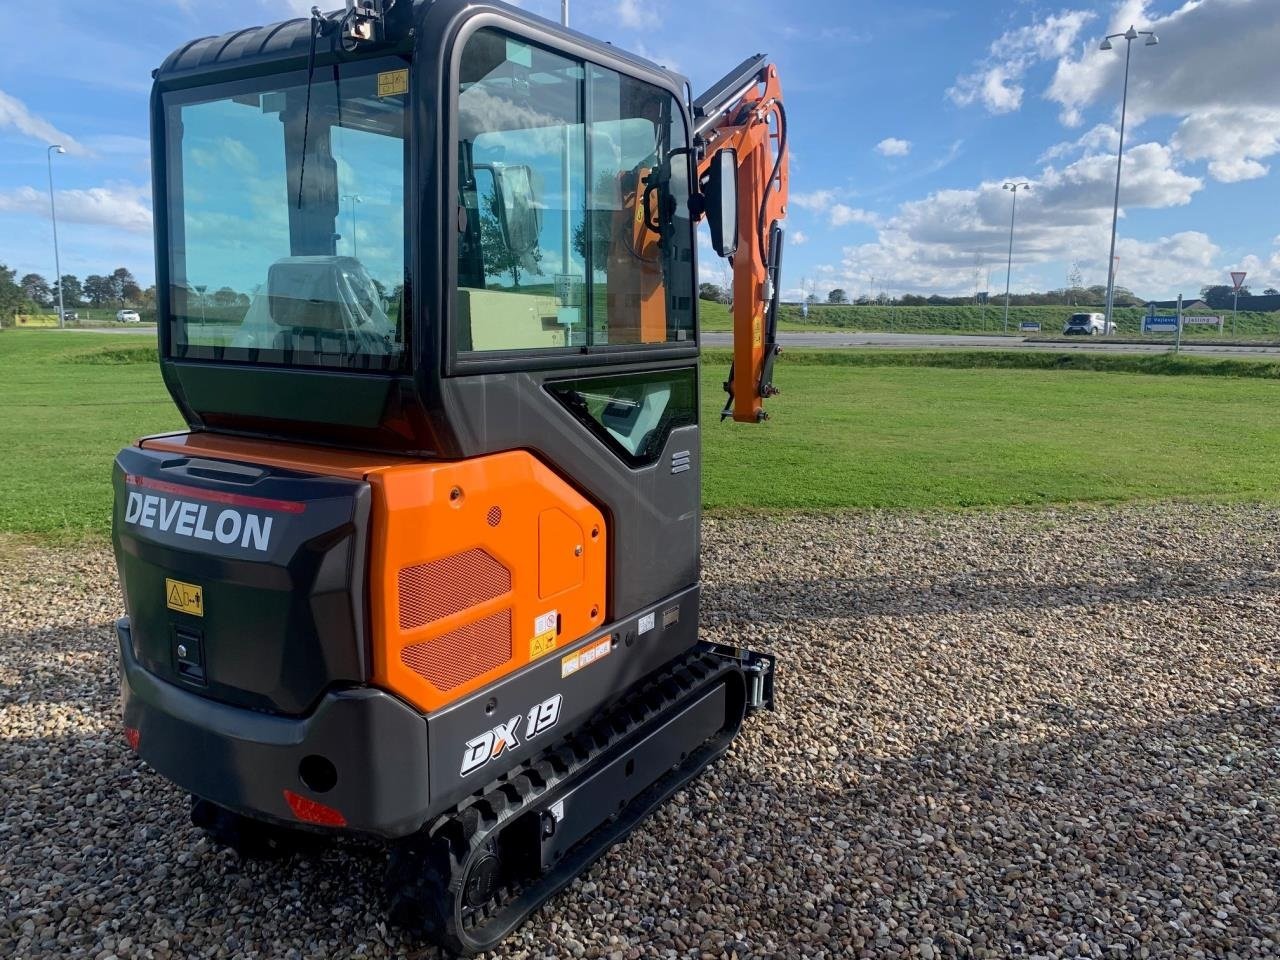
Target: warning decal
{"type": "Point", "coordinates": [544, 635]}
{"type": "Point", "coordinates": [392, 83]}
{"type": "Point", "coordinates": [585, 657]}
{"type": "Point", "coordinates": [184, 597]}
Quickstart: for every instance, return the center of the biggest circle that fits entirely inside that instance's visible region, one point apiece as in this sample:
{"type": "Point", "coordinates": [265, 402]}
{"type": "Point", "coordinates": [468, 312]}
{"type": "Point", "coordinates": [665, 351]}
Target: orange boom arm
{"type": "Point", "coordinates": [744, 113]}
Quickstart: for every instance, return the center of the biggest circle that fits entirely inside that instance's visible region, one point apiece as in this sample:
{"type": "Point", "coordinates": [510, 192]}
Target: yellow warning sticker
{"type": "Point", "coordinates": [544, 634]}
{"type": "Point", "coordinates": [542, 643]}
{"type": "Point", "coordinates": [585, 657]}
{"type": "Point", "coordinates": [392, 83]}
{"type": "Point", "coordinates": [184, 597]}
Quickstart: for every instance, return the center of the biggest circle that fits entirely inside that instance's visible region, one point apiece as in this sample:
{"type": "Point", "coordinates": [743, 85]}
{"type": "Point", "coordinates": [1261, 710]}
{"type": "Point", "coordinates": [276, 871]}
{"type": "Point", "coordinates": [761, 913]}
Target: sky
{"type": "Point", "coordinates": [906, 119]}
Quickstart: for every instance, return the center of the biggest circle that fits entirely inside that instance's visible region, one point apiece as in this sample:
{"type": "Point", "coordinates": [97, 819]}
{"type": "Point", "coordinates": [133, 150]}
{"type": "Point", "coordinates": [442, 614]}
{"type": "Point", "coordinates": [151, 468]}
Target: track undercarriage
{"type": "Point", "coordinates": [474, 873]}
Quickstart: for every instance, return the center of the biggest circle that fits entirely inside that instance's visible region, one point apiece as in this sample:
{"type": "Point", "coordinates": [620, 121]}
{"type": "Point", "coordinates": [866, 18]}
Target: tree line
{"type": "Point", "coordinates": [32, 292]}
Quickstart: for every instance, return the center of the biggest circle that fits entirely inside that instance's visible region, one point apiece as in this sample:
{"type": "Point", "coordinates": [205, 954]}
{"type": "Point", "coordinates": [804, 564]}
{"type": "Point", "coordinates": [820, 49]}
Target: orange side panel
{"type": "Point", "coordinates": [472, 573]}
{"type": "Point", "coordinates": [561, 563]}
{"type": "Point", "coordinates": [476, 567]}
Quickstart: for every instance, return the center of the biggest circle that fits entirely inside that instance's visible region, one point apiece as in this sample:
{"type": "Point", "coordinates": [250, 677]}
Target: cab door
{"type": "Point", "coordinates": [570, 300]}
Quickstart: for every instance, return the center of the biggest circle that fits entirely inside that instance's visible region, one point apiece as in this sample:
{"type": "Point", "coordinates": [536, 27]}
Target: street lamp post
{"type": "Point", "coordinates": [1014, 187]}
{"type": "Point", "coordinates": [355, 243]}
{"type": "Point", "coordinates": [1129, 36]}
{"type": "Point", "coordinates": [53, 213]}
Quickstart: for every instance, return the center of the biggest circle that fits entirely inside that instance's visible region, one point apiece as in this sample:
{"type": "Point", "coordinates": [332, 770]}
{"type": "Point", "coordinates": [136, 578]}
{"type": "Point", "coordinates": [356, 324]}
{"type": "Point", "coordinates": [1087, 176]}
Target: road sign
{"type": "Point", "coordinates": [1237, 277]}
{"type": "Point", "coordinates": [1029, 326]}
{"type": "Point", "coordinates": [1203, 321]}
{"type": "Point", "coordinates": [1166, 323]}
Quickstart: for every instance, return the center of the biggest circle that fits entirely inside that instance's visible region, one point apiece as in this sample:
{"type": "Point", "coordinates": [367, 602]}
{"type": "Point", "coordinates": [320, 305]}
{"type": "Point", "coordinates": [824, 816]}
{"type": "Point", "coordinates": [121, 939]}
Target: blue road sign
{"type": "Point", "coordinates": [1160, 324]}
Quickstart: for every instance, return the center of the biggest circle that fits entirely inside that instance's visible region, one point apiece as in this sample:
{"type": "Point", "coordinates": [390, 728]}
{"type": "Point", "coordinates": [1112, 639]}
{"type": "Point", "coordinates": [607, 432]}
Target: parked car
{"type": "Point", "coordinates": [127, 316]}
{"type": "Point", "coordinates": [70, 316]}
{"type": "Point", "coordinates": [1089, 325]}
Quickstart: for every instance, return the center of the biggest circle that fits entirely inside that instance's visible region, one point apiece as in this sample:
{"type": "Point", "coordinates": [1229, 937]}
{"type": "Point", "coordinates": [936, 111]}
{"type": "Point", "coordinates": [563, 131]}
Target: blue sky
{"type": "Point", "coordinates": [906, 119]}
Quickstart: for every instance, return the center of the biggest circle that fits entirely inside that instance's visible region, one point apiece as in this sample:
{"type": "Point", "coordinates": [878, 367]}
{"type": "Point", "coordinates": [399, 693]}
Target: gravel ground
{"type": "Point", "coordinates": [1000, 734]}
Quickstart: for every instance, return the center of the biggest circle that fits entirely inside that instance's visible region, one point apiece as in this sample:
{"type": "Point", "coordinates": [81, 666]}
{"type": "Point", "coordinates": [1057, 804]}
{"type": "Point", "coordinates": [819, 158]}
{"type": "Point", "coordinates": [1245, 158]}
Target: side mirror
{"type": "Point", "coordinates": [720, 198]}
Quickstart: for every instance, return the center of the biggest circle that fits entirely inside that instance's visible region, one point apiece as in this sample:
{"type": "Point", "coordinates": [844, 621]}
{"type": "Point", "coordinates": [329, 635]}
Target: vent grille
{"type": "Point", "coordinates": [461, 655]}
{"type": "Point", "coordinates": [680, 461]}
{"type": "Point", "coordinates": [441, 588]}
{"type": "Point", "coordinates": [494, 516]}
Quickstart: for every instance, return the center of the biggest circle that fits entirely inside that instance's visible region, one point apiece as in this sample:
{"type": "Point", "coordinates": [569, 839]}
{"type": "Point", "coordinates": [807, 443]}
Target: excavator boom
{"type": "Point", "coordinates": [744, 113]}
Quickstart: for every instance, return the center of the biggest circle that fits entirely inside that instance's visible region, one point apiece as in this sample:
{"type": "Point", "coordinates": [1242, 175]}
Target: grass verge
{"type": "Point", "coordinates": [1159, 364]}
{"type": "Point", "coordinates": [70, 401]}
{"type": "Point", "coordinates": [852, 429]}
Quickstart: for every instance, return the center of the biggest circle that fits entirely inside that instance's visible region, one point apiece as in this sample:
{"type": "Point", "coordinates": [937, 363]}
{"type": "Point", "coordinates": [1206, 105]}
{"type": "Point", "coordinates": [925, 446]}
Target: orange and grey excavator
{"type": "Point", "coordinates": [424, 565]}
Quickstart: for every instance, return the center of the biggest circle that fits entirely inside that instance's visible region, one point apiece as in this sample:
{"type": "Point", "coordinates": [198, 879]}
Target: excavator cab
{"type": "Point", "coordinates": [424, 565]}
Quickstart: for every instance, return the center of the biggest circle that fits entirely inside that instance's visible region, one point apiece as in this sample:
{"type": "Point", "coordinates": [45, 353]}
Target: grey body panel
{"type": "Point", "coordinates": [396, 768]}
{"type": "Point", "coordinates": [244, 760]}
{"type": "Point", "coordinates": [633, 656]}
{"type": "Point", "coordinates": [653, 514]}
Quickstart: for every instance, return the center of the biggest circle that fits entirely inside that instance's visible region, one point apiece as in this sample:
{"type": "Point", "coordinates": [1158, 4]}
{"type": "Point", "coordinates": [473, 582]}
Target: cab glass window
{"type": "Point", "coordinates": [286, 219]}
{"type": "Point", "coordinates": [632, 413]}
{"type": "Point", "coordinates": [573, 227]}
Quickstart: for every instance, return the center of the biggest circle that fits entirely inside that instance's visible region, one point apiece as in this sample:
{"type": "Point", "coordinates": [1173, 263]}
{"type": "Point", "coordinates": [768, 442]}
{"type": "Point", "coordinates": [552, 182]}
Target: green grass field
{"type": "Point", "coordinates": [856, 429]}
{"type": "Point", "coordinates": [62, 423]}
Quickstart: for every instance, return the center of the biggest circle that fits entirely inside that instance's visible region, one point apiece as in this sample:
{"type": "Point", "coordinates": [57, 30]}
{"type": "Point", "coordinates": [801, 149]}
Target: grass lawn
{"type": "Point", "coordinates": [926, 437]}
{"type": "Point", "coordinates": [851, 429]}
{"type": "Point", "coordinates": [63, 422]}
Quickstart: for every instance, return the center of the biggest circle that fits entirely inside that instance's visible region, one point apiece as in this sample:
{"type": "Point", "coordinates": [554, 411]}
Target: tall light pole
{"type": "Point", "coordinates": [1129, 36]}
{"type": "Point", "coordinates": [564, 12]}
{"type": "Point", "coordinates": [53, 213]}
{"type": "Point", "coordinates": [1014, 186]}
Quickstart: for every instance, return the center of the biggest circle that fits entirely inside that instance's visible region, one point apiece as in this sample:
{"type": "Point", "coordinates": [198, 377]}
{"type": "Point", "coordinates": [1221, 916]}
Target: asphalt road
{"type": "Point", "coordinates": [833, 341]}
{"type": "Point", "coordinates": [920, 341]}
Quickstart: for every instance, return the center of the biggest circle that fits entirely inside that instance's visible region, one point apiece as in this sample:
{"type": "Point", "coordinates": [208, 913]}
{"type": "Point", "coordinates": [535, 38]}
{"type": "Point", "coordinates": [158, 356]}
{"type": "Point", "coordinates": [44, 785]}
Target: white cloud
{"type": "Point", "coordinates": [1215, 70]}
{"type": "Point", "coordinates": [816, 200]}
{"type": "Point", "coordinates": [1181, 261]}
{"type": "Point", "coordinates": [838, 214]}
{"type": "Point", "coordinates": [893, 147]}
{"type": "Point", "coordinates": [841, 215]}
{"type": "Point", "coordinates": [1102, 138]}
{"type": "Point", "coordinates": [1230, 139]}
{"type": "Point", "coordinates": [632, 14]}
{"type": "Point", "coordinates": [933, 244]}
{"type": "Point", "coordinates": [14, 114]}
{"type": "Point", "coordinates": [798, 237]}
{"type": "Point", "coordinates": [996, 83]}
{"type": "Point", "coordinates": [1150, 178]}
{"type": "Point", "coordinates": [124, 206]}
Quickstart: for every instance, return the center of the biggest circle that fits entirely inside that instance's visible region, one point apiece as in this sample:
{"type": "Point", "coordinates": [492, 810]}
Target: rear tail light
{"type": "Point", "coordinates": [312, 811]}
{"type": "Point", "coordinates": [134, 737]}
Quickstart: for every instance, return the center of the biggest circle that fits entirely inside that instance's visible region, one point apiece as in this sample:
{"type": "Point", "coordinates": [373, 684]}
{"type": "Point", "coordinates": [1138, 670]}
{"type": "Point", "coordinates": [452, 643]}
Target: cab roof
{"type": "Point", "coordinates": [288, 42]}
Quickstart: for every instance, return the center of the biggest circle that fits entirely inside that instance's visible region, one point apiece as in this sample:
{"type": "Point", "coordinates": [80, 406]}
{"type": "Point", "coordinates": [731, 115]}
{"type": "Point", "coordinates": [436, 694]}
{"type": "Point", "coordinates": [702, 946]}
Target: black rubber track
{"type": "Point", "coordinates": [427, 874]}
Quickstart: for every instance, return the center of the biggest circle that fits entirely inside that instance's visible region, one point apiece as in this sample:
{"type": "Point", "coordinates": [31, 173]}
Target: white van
{"type": "Point", "coordinates": [128, 316]}
{"type": "Point", "coordinates": [1088, 324]}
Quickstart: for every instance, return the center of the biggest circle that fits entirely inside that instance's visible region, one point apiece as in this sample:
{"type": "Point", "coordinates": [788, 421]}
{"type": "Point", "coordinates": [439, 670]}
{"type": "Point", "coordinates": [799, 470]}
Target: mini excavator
{"type": "Point", "coordinates": [424, 565]}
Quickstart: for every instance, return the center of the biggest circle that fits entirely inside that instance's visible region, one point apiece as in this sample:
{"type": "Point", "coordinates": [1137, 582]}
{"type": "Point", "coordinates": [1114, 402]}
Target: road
{"type": "Point", "coordinates": [832, 341]}
{"type": "Point", "coordinates": [930, 341]}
